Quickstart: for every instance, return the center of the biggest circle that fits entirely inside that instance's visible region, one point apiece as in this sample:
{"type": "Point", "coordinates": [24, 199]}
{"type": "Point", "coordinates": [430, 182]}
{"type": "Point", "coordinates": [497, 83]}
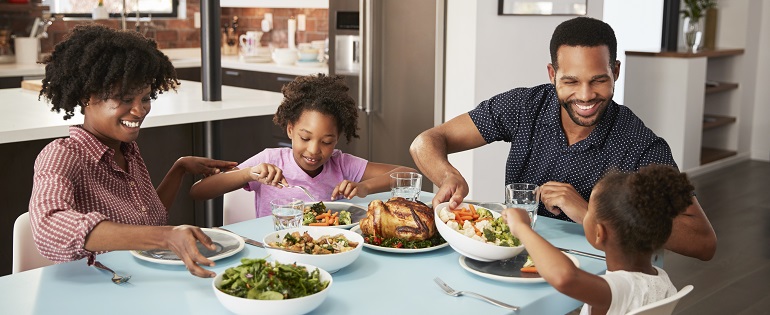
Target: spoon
{"type": "Point", "coordinates": [116, 278]}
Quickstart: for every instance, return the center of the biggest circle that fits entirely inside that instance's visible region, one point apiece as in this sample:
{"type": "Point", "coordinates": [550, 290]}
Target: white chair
{"type": "Point", "coordinates": [25, 253]}
{"type": "Point", "coordinates": [237, 206]}
{"type": "Point", "coordinates": [663, 307]}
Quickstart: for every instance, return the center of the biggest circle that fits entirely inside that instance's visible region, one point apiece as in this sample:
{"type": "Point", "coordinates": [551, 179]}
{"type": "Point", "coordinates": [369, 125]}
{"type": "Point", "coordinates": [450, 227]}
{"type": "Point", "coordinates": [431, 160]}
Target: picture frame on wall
{"type": "Point", "coordinates": [542, 7]}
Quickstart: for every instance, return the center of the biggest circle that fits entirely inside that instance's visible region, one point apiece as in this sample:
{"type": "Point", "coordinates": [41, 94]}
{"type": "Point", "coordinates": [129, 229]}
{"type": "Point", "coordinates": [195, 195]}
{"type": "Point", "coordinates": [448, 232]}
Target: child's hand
{"type": "Point", "coordinates": [348, 189]}
{"type": "Point", "coordinates": [517, 219]}
{"type": "Point", "coordinates": [267, 174]}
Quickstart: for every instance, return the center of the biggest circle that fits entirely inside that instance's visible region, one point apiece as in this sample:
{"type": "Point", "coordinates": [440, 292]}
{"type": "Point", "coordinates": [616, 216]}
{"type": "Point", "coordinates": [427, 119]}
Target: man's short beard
{"type": "Point", "coordinates": [567, 105]}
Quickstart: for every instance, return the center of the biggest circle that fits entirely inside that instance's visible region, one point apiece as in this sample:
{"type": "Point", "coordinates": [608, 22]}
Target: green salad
{"type": "Point", "coordinates": [261, 280]}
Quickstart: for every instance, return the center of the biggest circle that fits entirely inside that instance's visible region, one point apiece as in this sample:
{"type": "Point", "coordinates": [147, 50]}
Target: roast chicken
{"type": "Point", "coordinates": [399, 218]}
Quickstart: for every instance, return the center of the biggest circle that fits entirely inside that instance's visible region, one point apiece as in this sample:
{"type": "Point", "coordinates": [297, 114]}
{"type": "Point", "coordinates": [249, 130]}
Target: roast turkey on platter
{"type": "Point", "coordinates": [400, 218]}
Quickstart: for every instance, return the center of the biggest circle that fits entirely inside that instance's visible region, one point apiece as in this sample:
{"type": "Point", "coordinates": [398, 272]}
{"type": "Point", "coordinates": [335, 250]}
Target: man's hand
{"type": "Point", "coordinates": [562, 197]}
{"type": "Point", "coordinates": [182, 241]}
{"type": "Point", "coordinates": [453, 188]}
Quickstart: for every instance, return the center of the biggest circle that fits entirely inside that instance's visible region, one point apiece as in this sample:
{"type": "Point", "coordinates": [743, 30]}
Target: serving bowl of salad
{"type": "Point", "coordinates": [476, 232]}
{"type": "Point", "coordinates": [329, 248]}
{"type": "Point", "coordinates": [261, 287]}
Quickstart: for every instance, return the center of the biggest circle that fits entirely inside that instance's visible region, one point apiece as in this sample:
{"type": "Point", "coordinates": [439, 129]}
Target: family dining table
{"type": "Point", "coordinates": [377, 282]}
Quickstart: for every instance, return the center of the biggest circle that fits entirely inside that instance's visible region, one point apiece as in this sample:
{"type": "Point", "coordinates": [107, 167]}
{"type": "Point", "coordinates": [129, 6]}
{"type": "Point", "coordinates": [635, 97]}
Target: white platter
{"type": "Point", "coordinates": [357, 229]}
{"type": "Point", "coordinates": [227, 244]}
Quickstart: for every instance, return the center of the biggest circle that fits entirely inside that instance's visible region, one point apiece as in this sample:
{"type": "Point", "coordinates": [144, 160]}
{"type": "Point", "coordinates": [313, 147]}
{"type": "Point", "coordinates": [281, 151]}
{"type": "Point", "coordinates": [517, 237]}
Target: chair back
{"type": "Point", "coordinates": [25, 253]}
{"type": "Point", "coordinates": [663, 307]}
{"type": "Point", "coordinates": [237, 206]}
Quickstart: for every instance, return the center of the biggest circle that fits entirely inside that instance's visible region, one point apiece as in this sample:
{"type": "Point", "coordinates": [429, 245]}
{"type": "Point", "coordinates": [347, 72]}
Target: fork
{"type": "Point", "coordinates": [454, 292]}
{"type": "Point", "coordinates": [116, 278]}
{"type": "Point", "coordinates": [307, 192]}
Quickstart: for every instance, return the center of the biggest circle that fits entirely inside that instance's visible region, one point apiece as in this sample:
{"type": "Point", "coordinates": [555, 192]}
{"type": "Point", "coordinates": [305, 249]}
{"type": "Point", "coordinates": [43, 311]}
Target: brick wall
{"type": "Point", "coordinates": [181, 33]}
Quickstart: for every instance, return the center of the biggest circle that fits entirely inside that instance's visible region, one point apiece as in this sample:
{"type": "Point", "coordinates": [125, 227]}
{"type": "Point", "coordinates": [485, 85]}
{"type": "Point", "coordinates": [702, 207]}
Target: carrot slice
{"type": "Point", "coordinates": [529, 269]}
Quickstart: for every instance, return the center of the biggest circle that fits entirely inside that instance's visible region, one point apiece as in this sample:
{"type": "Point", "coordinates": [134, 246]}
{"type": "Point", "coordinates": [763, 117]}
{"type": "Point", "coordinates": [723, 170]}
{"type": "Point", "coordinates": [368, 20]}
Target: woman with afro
{"type": "Point", "coordinates": [629, 218]}
{"type": "Point", "coordinates": [92, 192]}
{"type": "Point", "coordinates": [316, 112]}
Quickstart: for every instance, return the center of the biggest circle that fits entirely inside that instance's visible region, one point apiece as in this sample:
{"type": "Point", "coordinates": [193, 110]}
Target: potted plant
{"type": "Point", "coordinates": [693, 13]}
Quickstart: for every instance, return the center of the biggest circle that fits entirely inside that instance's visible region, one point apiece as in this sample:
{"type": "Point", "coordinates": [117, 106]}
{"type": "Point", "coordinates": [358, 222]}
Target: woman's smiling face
{"type": "Point", "coordinates": [117, 119]}
{"type": "Point", "coordinates": [313, 138]}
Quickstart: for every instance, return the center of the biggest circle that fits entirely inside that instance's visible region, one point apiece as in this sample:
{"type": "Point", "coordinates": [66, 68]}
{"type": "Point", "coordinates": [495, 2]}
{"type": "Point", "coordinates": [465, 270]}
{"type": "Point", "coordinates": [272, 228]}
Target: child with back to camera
{"type": "Point", "coordinates": [629, 217]}
{"type": "Point", "coordinates": [315, 112]}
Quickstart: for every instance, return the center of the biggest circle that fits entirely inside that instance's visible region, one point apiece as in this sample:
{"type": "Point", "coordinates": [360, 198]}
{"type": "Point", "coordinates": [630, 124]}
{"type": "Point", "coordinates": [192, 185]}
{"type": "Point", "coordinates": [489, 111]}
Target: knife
{"type": "Point", "coordinates": [577, 252]}
{"type": "Point", "coordinates": [258, 243]}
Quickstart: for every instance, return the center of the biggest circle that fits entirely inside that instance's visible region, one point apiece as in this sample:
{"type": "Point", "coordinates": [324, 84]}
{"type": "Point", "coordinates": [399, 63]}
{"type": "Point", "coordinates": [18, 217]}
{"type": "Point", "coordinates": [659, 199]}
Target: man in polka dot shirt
{"type": "Point", "coordinates": [564, 136]}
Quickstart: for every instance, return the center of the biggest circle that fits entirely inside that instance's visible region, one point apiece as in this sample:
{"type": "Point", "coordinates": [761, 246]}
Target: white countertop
{"type": "Point", "coordinates": [26, 118]}
{"type": "Point", "coordinates": [182, 58]}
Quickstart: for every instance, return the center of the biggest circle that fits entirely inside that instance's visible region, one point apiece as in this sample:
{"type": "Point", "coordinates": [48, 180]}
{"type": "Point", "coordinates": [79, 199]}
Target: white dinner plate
{"type": "Point", "coordinates": [357, 229]}
{"type": "Point", "coordinates": [227, 244]}
{"type": "Point", "coordinates": [356, 212]}
{"type": "Point", "coordinates": [508, 270]}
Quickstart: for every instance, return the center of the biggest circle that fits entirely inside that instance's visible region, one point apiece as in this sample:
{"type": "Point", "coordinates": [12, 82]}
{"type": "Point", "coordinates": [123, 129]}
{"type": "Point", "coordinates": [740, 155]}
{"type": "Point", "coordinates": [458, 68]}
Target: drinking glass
{"type": "Point", "coordinates": [406, 184]}
{"type": "Point", "coordinates": [524, 196]}
{"type": "Point", "coordinates": [287, 213]}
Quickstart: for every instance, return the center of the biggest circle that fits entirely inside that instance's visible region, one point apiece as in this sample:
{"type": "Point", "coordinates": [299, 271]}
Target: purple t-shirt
{"type": "Point", "coordinates": [339, 167]}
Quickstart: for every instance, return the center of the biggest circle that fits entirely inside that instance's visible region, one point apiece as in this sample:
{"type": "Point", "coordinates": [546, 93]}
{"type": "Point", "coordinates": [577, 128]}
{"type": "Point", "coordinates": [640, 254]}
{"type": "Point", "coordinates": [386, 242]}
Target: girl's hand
{"type": "Point", "coordinates": [348, 189]}
{"type": "Point", "coordinates": [268, 174]}
{"type": "Point", "coordinates": [204, 166]}
{"type": "Point", "coordinates": [517, 219]}
{"type": "Point", "coordinates": [182, 241]}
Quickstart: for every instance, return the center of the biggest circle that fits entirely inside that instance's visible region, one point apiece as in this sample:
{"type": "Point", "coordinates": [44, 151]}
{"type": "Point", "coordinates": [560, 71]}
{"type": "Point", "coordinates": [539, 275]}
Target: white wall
{"type": "Point", "coordinates": [760, 142]}
{"type": "Point", "coordinates": [486, 55]}
{"type": "Point", "coordinates": [638, 26]}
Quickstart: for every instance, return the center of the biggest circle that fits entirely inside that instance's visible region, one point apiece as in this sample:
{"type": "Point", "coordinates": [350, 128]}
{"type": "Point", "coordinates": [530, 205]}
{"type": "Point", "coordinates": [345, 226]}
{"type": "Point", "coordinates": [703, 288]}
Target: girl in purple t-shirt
{"type": "Point", "coordinates": [316, 111]}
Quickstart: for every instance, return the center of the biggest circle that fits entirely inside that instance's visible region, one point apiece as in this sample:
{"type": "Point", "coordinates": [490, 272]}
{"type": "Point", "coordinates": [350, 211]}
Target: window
{"type": "Point", "coordinates": [83, 8]}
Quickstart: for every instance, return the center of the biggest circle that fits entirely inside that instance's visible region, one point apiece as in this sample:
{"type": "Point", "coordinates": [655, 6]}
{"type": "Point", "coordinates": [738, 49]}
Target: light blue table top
{"type": "Point", "coordinates": [376, 283]}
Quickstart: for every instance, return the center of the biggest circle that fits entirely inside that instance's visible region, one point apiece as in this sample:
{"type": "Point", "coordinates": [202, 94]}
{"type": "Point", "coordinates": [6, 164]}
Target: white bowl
{"type": "Point", "coordinates": [285, 56]}
{"type": "Point", "coordinates": [469, 247]}
{"type": "Point", "coordinates": [300, 305]}
{"type": "Point", "coordinates": [329, 262]}
{"type": "Point", "coordinates": [308, 55]}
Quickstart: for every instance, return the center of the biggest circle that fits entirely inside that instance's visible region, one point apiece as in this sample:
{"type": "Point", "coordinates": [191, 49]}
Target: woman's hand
{"type": "Point", "coordinates": [204, 166]}
{"type": "Point", "coordinates": [268, 174]}
{"type": "Point", "coordinates": [517, 219]}
{"type": "Point", "coordinates": [182, 241]}
{"type": "Point", "coordinates": [348, 189]}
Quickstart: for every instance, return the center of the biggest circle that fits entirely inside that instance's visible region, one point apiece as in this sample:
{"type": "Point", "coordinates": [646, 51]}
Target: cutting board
{"type": "Point", "coordinates": [32, 85]}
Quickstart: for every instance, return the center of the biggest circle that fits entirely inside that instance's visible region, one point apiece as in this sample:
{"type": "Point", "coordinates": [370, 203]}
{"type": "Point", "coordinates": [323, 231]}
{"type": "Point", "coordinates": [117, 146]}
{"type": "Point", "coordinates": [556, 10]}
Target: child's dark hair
{"type": "Point", "coordinates": [585, 32]}
{"type": "Point", "coordinates": [108, 63]}
{"type": "Point", "coordinates": [327, 95]}
{"type": "Point", "coordinates": [640, 207]}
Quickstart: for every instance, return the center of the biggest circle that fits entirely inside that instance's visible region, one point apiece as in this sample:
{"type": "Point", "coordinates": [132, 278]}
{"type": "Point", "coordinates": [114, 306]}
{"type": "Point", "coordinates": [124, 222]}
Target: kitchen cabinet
{"type": "Point", "coordinates": [10, 82]}
{"type": "Point", "coordinates": [689, 99]}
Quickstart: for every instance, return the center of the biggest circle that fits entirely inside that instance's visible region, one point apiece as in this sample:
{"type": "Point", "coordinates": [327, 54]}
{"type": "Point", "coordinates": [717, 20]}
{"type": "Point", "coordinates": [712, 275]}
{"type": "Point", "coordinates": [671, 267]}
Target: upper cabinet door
{"type": "Point", "coordinates": [314, 4]}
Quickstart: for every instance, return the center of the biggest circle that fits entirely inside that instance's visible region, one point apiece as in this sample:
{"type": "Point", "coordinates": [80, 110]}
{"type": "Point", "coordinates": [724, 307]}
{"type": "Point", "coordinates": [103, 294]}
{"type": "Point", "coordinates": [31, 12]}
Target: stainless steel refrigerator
{"type": "Point", "coordinates": [391, 53]}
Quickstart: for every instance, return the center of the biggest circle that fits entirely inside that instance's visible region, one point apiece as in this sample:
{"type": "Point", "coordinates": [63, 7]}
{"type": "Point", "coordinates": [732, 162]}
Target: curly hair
{"type": "Point", "coordinates": [584, 32]}
{"type": "Point", "coordinates": [640, 207]}
{"type": "Point", "coordinates": [327, 95]}
{"type": "Point", "coordinates": [107, 63]}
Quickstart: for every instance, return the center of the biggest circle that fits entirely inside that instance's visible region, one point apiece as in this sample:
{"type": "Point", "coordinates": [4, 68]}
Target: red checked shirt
{"type": "Point", "coordinates": [77, 184]}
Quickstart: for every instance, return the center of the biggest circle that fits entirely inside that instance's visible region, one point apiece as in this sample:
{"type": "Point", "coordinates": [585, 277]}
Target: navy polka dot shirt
{"type": "Point", "coordinates": [529, 118]}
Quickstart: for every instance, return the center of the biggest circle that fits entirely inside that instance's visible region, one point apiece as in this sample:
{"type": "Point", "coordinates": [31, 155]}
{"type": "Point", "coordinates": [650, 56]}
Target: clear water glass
{"type": "Point", "coordinates": [287, 213]}
{"type": "Point", "coordinates": [524, 196]}
{"type": "Point", "coordinates": [406, 184]}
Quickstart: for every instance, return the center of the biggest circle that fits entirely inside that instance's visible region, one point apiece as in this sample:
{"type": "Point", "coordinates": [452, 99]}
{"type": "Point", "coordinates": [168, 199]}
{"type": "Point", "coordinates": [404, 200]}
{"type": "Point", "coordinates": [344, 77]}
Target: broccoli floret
{"type": "Point", "coordinates": [318, 207]}
{"type": "Point", "coordinates": [308, 217]}
{"type": "Point", "coordinates": [345, 218]}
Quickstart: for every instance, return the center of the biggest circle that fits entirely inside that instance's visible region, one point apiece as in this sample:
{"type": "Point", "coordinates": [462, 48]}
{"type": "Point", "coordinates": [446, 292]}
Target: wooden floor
{"type": "Point", "coordinates": [736, 281]}
{"type": "Point", "coordinates": [736, 200]}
